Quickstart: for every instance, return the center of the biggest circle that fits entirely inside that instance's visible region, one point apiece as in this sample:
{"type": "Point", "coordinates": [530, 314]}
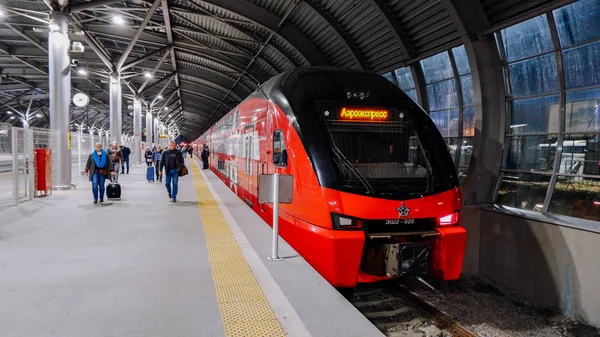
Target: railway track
{"type": "Point", "coordinates": [399, 313]}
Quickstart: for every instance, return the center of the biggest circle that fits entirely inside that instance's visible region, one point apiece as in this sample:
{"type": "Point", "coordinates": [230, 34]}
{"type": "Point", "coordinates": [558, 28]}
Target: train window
{"type": "Point", "coordinates": [236, 120]}
{"type": "Point", "coordinates": [279, 150]}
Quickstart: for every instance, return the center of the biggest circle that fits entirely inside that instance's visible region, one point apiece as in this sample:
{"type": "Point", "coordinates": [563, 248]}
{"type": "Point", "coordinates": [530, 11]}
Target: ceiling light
{"type": "Point", "coordinates": [82, 72]}
{"type": "Point", "coordinates": [170, 115]}
{"type": "Point", "coordinates": [9, 112]}
{"type": "Point", "coordinates": [53, 27]}
{"type": "Point", "coordinates": [38, 115]}
{"type": "Point", "coordinates": [1, 12]}
{"type": "Point", "coordinates": [148, 75]}
{"type": "Point", "coordinates": [118, 20]}
{"type": "Point", "coordinates": [12, 117]}
{"type": "Point", "coordinates": [166, 108]}
{"type": "Point", "coordinates": [160, 97]}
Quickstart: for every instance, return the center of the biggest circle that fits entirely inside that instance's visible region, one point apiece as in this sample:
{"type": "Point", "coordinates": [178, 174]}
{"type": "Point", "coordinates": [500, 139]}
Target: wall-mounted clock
{"type": "Point", "coordinates": [81, 99]}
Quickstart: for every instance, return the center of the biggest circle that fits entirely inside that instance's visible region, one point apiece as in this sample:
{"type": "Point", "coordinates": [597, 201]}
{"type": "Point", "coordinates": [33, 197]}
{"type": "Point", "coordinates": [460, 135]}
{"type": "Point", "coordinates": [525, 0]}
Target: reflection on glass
{"type": "Point", "coordinates": [581, 155]}
{"type": "Point", "coordinates": [581, 64]}
{"type": "Point", "coordinates": [535, 76]}
{"type": "Point", "coordinates": [531, 153]}
{"type": "Point", "coordinates": [405, 78]}
{"type": "Point", "coordinates": [582, 111]}
{"type": "Point", "coordinates": [469, 121]}
{"type": "Point", "coordinates": [466, 85]}
{"type": "Point", "coordinates": [576, 197]}
{"type": "Point", "coordinates": [535, 115]}
{"type": "Point", "coordinates": [442, 95]}
{"type": "Point", "coordinates": [531, 37]}
{"type": "Point", "coordinates": [452, 144]}
{"type": "Point", "coordinates": [462, 62]}
{"type": "Point", "coordinates": [446, 122]}
{"type": "Point", "coordinates": [578, 22]}
{"type": "Point", "coordinates": [523, 190]}
{"type": "Point", "coordinates": [466, 150]}
{"type": "Point", "coordinates": [437, 68]}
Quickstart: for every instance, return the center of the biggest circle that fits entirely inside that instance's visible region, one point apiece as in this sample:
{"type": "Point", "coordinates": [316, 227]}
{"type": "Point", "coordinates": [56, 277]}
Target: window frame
{"type": "Point", "coordinates": [282, 148]}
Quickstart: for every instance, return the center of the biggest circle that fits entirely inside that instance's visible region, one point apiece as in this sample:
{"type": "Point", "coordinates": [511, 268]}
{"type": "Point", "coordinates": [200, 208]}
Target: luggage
{"type": "Point", "coordinates": [150, 173]}
{"type": "Point", "coordinates": [183, 172]}
{"type": "Point", "coordinates": [113, 191]}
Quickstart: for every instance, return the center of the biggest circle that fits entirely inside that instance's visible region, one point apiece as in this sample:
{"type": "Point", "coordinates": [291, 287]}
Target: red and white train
{"type": "Point", "coordinates": [375, 192]}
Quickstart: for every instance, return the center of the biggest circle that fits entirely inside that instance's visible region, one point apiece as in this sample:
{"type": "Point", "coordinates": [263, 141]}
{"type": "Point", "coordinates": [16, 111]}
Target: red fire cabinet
{"type": "Point", "coordinates": [43, 171]}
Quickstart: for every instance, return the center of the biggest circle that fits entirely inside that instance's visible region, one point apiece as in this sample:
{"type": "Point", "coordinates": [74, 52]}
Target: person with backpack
{"type": "Point", "coordinates": [172, 161]}
{"type": "Point", "coordinates": [99, 168]}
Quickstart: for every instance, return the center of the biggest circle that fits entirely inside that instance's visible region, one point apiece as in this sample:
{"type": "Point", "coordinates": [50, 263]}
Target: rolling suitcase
{"type": "Point", "coordinates": [113, 190]}
{"type": "Point", "coordinates": [150, 173]}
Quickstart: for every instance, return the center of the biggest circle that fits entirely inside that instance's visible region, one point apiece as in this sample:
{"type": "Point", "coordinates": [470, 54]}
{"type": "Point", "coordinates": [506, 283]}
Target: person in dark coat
{"type": "Point", "coordinates": [126, 152]}
{"type": "Point", "coordinates": [172, 161]}
{"type": "Point", "coordinates": [204, 155]}
{"type": "Point", "coordinates": [99, 168]}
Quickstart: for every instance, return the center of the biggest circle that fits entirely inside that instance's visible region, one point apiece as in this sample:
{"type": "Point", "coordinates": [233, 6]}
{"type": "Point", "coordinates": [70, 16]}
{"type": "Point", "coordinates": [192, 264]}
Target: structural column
{"type": "Point", "coordinates": [137, 130]}
{"type": "Point", "coordinates": [149, 129]}
{"type": "Point", "coordinates": [116, 118]}
{"type": "Point", "coordinates": [59, 74]}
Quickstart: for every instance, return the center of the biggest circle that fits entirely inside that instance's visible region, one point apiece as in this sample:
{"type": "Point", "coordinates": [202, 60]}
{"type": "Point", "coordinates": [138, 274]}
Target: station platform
{"type": "Point", "coordinates": [143, 266]}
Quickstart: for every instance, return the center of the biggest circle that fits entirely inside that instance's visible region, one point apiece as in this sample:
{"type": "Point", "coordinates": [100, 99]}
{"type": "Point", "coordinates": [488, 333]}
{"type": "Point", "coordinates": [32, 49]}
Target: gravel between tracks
{"type": "Point", "coordinates": [491, 311]}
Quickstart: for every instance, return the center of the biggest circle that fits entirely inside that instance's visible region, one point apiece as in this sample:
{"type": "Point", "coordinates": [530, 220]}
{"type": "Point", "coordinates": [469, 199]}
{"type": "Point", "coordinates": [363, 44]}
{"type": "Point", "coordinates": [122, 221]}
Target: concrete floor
{"type": "Point", "coordinates": [136, 267]}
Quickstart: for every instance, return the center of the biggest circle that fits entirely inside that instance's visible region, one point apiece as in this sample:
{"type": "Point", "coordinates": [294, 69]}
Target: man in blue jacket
{"type": "Point", "coordinates": [172, 161]}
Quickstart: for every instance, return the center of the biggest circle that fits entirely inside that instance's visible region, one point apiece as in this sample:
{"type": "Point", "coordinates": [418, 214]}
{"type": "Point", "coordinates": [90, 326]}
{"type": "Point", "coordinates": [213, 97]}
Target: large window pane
{"type": "Point", "coordinates": [576, 197]}
{"type": "Point", "coordinates": [535, 115]}
{"type": "Point", "coordinates": [581, 155]}
{"type": "Point", "coordinates": [389, 77]}
{"type": "Point", "coordinates": [446, 121]}
{"type": "Point", "coordinates": [469, 121]}
{"type": "Point", "coordinates": [405, 78]}
{"type": "Point", "coordinates": [578, 22]}
{"type": "Point", "coordinates": [528, 38]}
{"type": "Point", "coordinates": [466, 85]}
{"type": "Point", "coordinates": [534, 76]}
{"type": "Point", "coordinates": [582, 66]}
{"type": "Point", "coordinates": [413, 94]}
{"type": "Point", "coordinates": [437, 68]}
{"type": "Point", "coordinates": [523, 190]}
{"type": "Point", "coordinates": [442, 95]}
{"type": "Point", "coordinates": [531, 153]}
{"type": "Point", "coordinates": [462, 62]}
{"type": "Point", "coordinates": [582, 111]}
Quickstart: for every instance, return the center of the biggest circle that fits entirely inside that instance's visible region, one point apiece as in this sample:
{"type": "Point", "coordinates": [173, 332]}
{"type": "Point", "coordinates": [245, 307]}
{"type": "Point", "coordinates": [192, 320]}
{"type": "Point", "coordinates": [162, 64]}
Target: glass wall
{"type": "Point", "coordinates": [450, 96]}
{"type": "Point", "coordinates": [552, 149]}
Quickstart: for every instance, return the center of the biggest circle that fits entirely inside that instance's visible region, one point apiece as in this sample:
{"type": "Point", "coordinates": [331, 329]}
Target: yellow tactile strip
{"type": "Point", "coordinates": [244, 308]}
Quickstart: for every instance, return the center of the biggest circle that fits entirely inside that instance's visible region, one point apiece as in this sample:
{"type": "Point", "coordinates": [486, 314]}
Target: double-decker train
{"type": "Point", "coordinates": [375, 191]}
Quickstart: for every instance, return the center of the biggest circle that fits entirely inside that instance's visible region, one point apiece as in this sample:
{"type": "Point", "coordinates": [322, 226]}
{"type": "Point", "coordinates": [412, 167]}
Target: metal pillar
{"type": "Point", "coordinates": [79, 166]}
{"type": "Point", "coordinates": [15, 163]}
{"type": "Point", "coordinates": [137, 130]}
{"type": "Point", "coordinates": [59, 64]}
{"type": "Point", "coordinates": [29, 167]}
{"type": "Point", "coordinates": [116, 118]}
{"type": "Point", "coordinates": [149, 129]}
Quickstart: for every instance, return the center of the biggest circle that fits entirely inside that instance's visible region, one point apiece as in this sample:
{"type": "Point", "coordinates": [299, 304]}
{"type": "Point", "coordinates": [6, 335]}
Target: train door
{"type": "Point", "coordinates": [248, 154]}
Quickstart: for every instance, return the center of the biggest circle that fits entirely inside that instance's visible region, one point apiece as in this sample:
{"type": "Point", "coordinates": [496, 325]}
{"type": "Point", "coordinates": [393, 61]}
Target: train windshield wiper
{"type": "Point", "coordinates": [343, 161]}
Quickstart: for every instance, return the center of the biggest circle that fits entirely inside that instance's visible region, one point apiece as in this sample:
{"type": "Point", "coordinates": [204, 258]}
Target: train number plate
{"type": "Point", "coordinates": [400, 222]}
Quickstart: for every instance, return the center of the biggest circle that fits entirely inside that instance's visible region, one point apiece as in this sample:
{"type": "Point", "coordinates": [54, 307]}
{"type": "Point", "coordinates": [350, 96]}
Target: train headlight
{"type": "Point", "coordinates": [345, 222]}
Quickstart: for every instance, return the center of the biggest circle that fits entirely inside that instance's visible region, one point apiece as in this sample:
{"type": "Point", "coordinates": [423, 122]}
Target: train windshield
{"type": "Point", "coordinates": [381, 151]}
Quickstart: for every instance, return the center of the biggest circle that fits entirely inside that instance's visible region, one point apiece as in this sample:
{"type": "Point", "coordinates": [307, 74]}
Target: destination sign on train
{"type": "Point", "coordinates": [364, 114]}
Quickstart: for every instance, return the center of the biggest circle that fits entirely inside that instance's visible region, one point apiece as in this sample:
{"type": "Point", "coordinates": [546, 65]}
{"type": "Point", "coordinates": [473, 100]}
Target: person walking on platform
{"type": "Point", "coordinates": [116, 158]}
{"type": "Point", "coordinates": [148, 156]}
{"type": "Point", "coordinates": [204, 155]}
{"type": "Point", "coordinates": [172, 161]}
{"type": "Point", "coordinates": [126, 152]}
{"type": "Point", "coordinates": [98, 168]}
{"type": "Point", "coordinates": [157, 158]}
{"type": "Point", "coordinates": [190, 151]}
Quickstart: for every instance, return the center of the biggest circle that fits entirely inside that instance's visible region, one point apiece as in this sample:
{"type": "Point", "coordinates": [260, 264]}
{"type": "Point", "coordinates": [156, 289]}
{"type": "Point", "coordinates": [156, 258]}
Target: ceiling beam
{"type": "Point", "coordinates": [137, 35]}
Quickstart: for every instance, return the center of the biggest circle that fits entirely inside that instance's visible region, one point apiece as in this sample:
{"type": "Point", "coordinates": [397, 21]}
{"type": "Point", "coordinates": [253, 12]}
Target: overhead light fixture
{"type": "Point", "coordinates": [166, 108]}
{"type": "Point", "coordinates": [148, 75]}
{"type": "Point", "coordinates": [170, 115]}
{"type": "Point", "coordinates": [1, 12]}
{"type": "Point", "coordinates": [53, 27]}
{"type": "Point", "coordinates": [82, 72]}
{"type": "Point", "coordinates": [118, 20]}
{"type": "Point", "coordinates": [38, 115]}
{"type": "Point", "coordinates": [160, 97]}
{"type": "Point", "coordinates": [9, 112]}
{"type": "Point", "coordinates": [12, 117]}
